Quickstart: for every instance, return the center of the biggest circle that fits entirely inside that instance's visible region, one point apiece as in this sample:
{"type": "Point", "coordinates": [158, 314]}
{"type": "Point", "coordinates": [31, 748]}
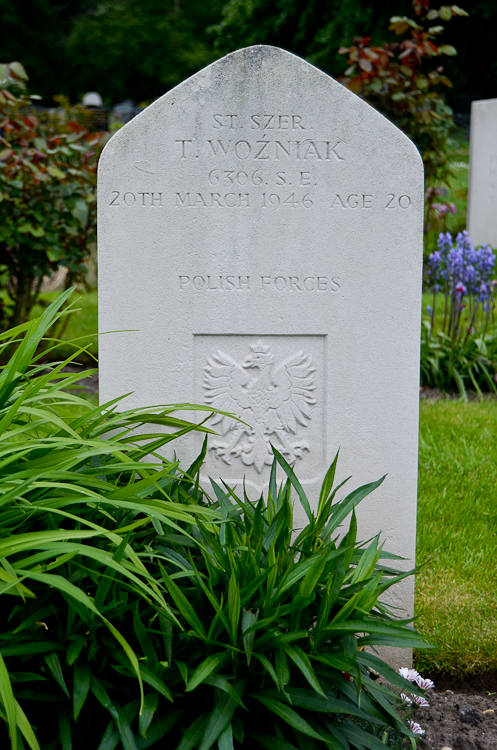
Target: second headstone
{"type": "Point", "coordinates": [482, 193]}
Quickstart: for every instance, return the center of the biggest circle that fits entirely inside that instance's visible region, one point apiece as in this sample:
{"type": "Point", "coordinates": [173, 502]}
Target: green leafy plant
{"type": "Point", "coordinates": [403, 81]}
{"type": "Point", "coordinates": [77, 486]}
{"type": "Point", "coordinates": [269, 650]}
{"type": "Point", "coordinates": [47, 196]}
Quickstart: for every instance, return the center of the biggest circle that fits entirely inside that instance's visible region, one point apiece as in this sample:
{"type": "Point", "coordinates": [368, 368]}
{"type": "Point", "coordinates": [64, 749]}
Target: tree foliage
{"type": "Point", "coordinates": [314, 29]}
{"type": "Point", "coordinates": [144, 48]}
{"type": "Point", "coordinates": [140, 49]}
{"type": "Point", "coordinates": [47, 195]}
{"type": "Point", "coordinates": [403, 80]}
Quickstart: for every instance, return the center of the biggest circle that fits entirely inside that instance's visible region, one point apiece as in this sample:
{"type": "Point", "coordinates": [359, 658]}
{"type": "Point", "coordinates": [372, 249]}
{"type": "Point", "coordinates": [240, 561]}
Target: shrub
{"type": "Point", "coordinates": [48, 168]}
{"type": "Point", "coordinates": [459, 345]}
{"type": "Point", "coordinates": [136, 608]}
{"type": "Point", "coordinates": [403, 81]}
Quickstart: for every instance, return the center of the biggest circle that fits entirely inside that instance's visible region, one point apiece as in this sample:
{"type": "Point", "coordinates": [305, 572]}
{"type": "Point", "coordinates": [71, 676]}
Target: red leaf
{"type": "Point", "coordinates": [31, 121]}
{"type": "Point", "coordinates": [75, 127]}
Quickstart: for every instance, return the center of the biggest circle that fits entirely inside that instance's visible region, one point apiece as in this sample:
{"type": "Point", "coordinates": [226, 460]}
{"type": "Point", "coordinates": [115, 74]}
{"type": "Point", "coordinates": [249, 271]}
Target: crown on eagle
{"type": "Point", "coordinates": [259, 347]}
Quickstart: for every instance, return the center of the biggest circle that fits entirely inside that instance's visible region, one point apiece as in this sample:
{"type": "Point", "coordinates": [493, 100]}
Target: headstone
{"type": "Point", "coordinates": [482, 194]}
{"type": "Point", "coordinates": [125, 111]}
{"type": "Point", "coordinates": [260, 242]}
{"type": "Point", "coordinates": [92, 99]}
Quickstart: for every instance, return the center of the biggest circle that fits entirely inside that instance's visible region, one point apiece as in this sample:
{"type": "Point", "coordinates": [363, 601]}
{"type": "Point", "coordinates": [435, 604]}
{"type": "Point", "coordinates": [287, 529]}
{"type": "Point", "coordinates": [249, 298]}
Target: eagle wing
{"type": "Point", "coordinates": [293, 398]}
{"type": "Point", "coordinates": [223, 382]}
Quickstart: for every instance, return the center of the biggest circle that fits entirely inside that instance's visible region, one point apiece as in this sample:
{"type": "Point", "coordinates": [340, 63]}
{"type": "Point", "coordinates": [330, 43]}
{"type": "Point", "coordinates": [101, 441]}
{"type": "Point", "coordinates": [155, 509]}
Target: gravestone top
{"type": "Point", "coordinates": [260, 240]}
{"type": "Point", "coordinates": [482, 193]}
{"type": "Point", "coordinates": [92, 99]}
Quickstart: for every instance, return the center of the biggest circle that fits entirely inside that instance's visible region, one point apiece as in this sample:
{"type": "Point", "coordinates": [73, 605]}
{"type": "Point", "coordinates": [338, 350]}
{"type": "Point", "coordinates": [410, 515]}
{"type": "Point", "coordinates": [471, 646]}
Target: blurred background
{"type": "Point", "coordinates": [139, 49]}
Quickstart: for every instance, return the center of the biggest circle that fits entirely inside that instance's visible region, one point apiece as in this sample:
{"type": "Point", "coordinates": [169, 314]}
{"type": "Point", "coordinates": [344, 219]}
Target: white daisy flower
{"type": "Point", "coordinates": [424, 683]}
{"type": "Point", "coordinates": [422, 702]}
{"type": "Point", "coordinates": [409, 674]}
{"type": "Point", "coordinates": [415, 728]}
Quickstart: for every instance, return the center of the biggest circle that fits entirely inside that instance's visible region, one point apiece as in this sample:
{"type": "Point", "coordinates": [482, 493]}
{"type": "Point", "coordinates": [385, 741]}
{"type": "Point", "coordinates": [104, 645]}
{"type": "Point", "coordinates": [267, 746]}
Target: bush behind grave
{"type": "Point", "coordinates": [135, 608]}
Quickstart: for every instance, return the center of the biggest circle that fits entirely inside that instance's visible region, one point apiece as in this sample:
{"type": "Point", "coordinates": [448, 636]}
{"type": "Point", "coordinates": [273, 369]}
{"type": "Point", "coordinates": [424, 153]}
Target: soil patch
{"type": "Point", "coordinates": [459, 720]}
{"type": "Point", "coordinates": [435, 394]}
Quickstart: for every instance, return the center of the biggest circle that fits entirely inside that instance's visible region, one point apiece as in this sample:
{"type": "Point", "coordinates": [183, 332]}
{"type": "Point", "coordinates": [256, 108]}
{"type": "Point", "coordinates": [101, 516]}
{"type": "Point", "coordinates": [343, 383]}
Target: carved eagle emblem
{"type": "Point", "coordinates": [274, 399]}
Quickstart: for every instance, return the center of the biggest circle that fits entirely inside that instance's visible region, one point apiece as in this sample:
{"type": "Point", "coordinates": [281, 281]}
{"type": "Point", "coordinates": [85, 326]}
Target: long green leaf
{"type": "Point", "coordinates": [26, 728]}
{"type": "Point", "coordinates": [295, 482]}
{"type": "Point", "coordinates": [8, 700]}
{"type": "Point", "coordinates": [217, 721]}
{"type": "Point", "coordinates": [204, 670]}
{"type": "Point", "coordinates": [301, 660]}
{"type": "Point", "coordinates": [149, 708]}
{"type": "Point", "coordinates": [53, 663]}
{"type": "Point", "coordinates": [183, 604]}
{"type": "Point", "coordinates": [81, 686]}
{"type": "Point", "coordinates": [193, 733]}
{"type": "Point", "coordinates": [288, 715]}
{"type": "Point", "coordinates": [225, 739]}
{"type": "Point", "coordinates": [342, 510]}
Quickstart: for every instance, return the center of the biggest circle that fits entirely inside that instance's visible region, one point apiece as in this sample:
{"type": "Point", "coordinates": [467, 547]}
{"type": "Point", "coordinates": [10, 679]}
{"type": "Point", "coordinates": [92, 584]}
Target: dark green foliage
{"type": "Point", "coordinates": [315, 30]}
{"type": "Point", "coordinates": [119, 47]}
{"type": "Point", "coordinates": [143, 49]}
{"type": "Point", "coordinates": [63, 44]}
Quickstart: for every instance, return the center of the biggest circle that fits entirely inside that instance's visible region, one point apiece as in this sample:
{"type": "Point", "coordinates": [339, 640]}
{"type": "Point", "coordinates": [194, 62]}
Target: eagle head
{"type": "Point", "coordinates": [260, 357]}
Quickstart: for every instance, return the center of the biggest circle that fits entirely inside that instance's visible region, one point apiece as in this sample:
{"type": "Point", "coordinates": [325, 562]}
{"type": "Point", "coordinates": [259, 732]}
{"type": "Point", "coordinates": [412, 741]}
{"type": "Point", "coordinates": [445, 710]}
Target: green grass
{"type": "Point", "coordinates": [82, 324]}
{"type": "Point", "coordinates": [456, 595]}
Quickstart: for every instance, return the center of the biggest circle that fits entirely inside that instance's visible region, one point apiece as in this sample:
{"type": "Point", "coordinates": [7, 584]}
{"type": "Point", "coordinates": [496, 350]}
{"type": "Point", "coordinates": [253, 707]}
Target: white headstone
{"type": "Point", "coordinates": [482, 194]}
{"type": "Point", "coordinates": [260, 239]}
{"type": "Point", "coordinates": [92, 99]}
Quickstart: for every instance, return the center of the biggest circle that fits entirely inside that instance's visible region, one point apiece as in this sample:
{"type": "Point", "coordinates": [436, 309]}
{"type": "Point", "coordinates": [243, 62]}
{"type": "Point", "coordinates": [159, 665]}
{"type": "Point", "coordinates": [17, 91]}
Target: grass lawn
{"type": "Point", "coordinates": [456, 595]}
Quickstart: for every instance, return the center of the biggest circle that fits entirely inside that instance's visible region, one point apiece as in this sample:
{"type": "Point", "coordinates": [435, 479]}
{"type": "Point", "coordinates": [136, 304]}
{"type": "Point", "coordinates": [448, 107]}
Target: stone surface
{"type": "Point", "coordinates": [482, 195]}
{"type": "Point", "coordinates": [260, 240]}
